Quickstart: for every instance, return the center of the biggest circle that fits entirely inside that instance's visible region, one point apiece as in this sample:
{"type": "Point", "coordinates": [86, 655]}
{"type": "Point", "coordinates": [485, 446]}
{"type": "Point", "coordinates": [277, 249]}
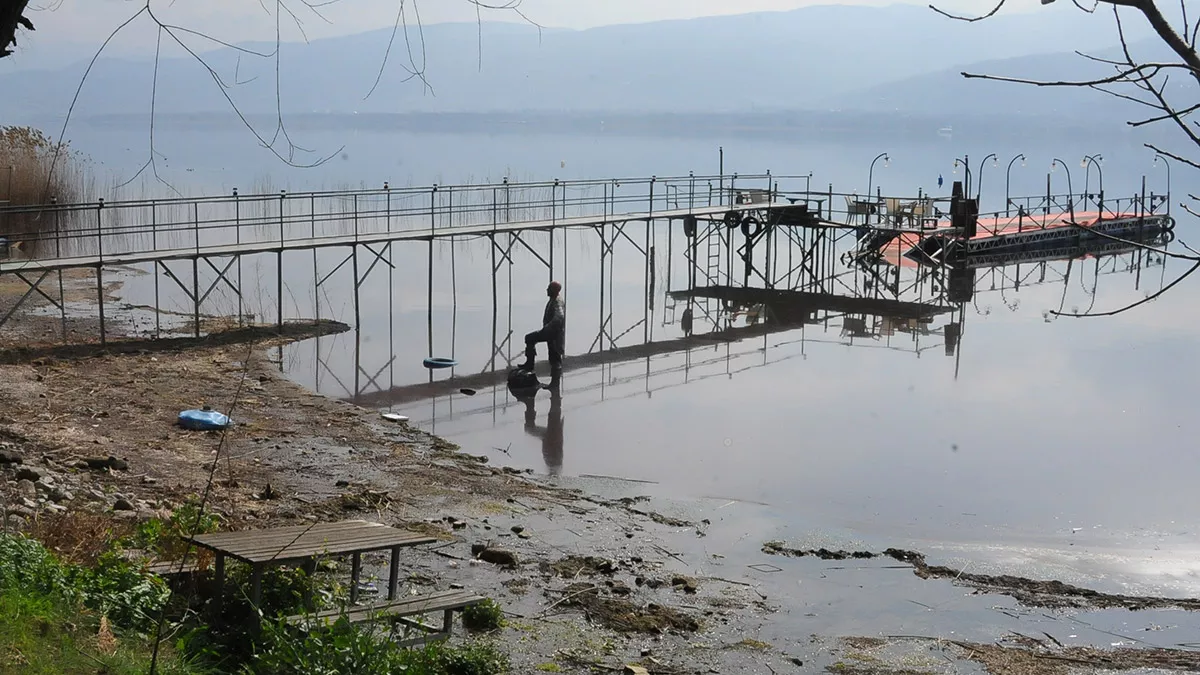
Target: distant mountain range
{"type": "Point", "coordinates": [899, 59]}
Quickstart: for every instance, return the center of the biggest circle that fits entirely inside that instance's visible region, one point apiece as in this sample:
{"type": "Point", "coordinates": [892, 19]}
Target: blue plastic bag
{"type": "Point", "coordinates": [203, 420]}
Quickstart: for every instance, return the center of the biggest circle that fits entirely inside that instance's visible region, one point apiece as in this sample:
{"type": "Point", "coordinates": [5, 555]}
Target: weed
{"type": "Point", "coordinates": [46, 625]}
{"type": "Point", "coordinates": [484, 616]}
{"type": "Point", "coordinates": [78, 537]}
{"type": "Point", "coordinates": [26, 178]}
{"type": "Point", "coordinates": [345, 648]}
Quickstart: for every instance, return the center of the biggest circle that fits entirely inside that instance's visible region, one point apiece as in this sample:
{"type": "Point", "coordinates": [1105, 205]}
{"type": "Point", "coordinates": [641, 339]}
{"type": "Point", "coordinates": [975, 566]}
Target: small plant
{"type": "Point", "coordinates": [344, 648]}
{"type": "Point", "coordinates": [483, 617]}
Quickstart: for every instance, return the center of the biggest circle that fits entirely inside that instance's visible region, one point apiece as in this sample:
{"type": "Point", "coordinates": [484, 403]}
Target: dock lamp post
{"type": "Point", "coordinates": [871, 174]}
{"type": "Point", "coordinates": [1008, 181]}
{"type": "Point", "coordinates": [1167, 164]}
{"type": "Point", "coordinates": [1070, 190]}
{"type": "Point", "coordinates": [966, 164]}
{"type": "Point", "coordinates": [1087, 163]}
{"type": "Point", "coordinates": [979, 187]}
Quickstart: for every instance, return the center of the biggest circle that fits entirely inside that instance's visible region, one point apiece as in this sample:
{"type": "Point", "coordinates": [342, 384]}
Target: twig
{"type": "Point", "coordinates": [589, 589]}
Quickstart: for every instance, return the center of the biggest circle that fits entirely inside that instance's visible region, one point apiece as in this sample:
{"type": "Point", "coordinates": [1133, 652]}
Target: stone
{"type": "Point", "coordinates": [29, 504]}
{"type": "Point", "coordinates": [26, 489]}
{"type": "Point", "coordinates": [110, 462]}
{"type": "Point", "coordinates": [635, 670]}
{"type": "Point", "coordinates": [28, 473]}
{"type": "Point", "coordinates": [797, 661]}
{"type": "Point", "coordinates": [10, 457]}
{"type": "Point", "coordinates": [342, 483]}
{"type": "Point", "coordinates": [645, 651]}
{"type": "Point", "coordinates": [525, 535]}
{"type": "Point", "coordinates": [59, 495]}
{"type": "Point", "coordinates": [456, 587]}
{"type": "Point", "coordinates": [15, 522]}
{"type": "Point", "coordinates": [123, 504]}
{"type": "Point", "coordinates": [56, 508]}
{"type": "Point", "coordinates": [458, 524]}
{"type": "Point", "coordinates": [499, 556]}
{"type": "Point", "coordinates": [688, 584]}
{"type": "Point", "coordinates": [621, 588]}
{"type": "Point", "coordinates": [517, 529]}
{"type": "Point", "coordinates": [476, 549]}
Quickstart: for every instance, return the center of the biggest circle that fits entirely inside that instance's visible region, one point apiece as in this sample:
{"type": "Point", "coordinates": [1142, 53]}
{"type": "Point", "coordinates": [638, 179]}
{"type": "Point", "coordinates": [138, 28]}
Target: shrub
{"type": "Point", "coordinates": [485, 616]}
{"type": "Point", "coordinates": [348, 649]}
{"type": "Point", "coordinates": [45, 622]}
{"type": "Point", "coordinates": [112, 587]}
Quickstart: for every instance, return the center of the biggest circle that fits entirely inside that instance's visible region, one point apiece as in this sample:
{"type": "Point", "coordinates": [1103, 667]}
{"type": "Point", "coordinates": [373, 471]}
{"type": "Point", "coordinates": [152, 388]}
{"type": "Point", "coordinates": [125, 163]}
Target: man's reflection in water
{"type": "Point", "coordinates": [551, 434]}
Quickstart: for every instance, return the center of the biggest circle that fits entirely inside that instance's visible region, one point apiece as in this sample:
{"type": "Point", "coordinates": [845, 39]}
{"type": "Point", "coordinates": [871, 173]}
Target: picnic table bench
{"type": "Point", "coordinates": [399, 611]}
{"type": "Point", "coordinates": [303, 544]}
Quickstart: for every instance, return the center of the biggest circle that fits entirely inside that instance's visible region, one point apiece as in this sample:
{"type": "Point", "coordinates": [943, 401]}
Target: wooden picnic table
{"type": "Point", "coordinates": [303, 544]}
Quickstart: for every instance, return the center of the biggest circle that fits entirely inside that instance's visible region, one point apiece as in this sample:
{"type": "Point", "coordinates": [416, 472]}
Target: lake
{"type": "Point", "coordinates": [1040, 444]}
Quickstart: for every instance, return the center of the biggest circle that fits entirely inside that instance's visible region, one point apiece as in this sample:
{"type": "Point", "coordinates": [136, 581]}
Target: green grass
{"type": "Point", "coordinates": [41, 634]}
{"type": "Point", "coordinates": [95, 619]}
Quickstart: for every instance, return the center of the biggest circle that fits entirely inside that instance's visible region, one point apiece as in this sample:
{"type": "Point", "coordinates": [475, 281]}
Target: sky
{"type": "Point", "coordinates": [86, 23]}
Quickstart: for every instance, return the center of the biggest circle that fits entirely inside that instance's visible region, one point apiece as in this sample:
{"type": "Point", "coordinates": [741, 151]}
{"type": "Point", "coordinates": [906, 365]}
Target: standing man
{"type": "Point", "coordinates": [553, 332]}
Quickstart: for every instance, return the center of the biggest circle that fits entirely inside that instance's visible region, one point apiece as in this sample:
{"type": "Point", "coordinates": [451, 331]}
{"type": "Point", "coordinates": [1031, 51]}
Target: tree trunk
{"type": "Point", "coordinates": [12, 16]}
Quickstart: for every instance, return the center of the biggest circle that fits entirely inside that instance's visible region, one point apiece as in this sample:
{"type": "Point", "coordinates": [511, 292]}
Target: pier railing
{"type": "Point", "coordinates": [99, 231]}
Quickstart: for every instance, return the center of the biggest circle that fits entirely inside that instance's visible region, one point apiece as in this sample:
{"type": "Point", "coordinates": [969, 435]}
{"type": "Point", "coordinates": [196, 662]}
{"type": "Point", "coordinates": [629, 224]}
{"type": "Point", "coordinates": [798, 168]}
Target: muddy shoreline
{"type": "Point", "coordinates": [593, 584]}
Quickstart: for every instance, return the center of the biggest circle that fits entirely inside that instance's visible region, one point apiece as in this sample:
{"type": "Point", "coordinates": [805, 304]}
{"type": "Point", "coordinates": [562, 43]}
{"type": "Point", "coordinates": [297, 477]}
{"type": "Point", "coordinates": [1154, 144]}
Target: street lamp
{"type": "Point", "coordinates": [979, 188]}
{"type": "Point", "coordinates": [1167, 164]}
{"type": "Point", "coordinates": [1087, 162]}
{"type": "Point", "coordinates": [966, 164]}
{"type": "Point", "coordinates": [1070, 190]}
{"type": "Point", "coordinates": [871, 174]}
{"type": "Point", "coordinates": [1008, 181]}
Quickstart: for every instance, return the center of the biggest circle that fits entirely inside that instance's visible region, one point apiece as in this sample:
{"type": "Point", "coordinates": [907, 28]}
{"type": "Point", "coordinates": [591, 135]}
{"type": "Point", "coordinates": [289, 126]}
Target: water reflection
{"type": "Point", "coordinates": [882, 392]}
{"type": "Point", "coordinates": [551, 434]}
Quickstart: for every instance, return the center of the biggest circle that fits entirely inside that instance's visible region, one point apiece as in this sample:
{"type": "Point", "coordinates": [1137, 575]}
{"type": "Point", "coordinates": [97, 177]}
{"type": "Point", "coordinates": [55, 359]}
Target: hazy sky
{"type": "Point", "coordinates": [87, 22]}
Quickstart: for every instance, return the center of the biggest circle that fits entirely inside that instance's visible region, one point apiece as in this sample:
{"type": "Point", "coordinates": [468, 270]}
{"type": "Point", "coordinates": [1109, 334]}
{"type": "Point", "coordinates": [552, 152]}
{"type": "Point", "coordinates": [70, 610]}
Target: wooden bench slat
{"type": "Point", "coordinates": [417, 604]}
{"type": "Point", "coordinates": [170, 567]}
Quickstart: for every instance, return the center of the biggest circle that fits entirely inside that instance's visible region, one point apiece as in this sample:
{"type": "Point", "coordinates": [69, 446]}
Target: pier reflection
{"type": "Point", "coordinates": [831, 293]}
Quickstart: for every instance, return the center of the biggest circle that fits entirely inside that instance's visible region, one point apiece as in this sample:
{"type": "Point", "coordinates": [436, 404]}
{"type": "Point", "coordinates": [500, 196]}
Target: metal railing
{"type": "Point", "coordinates": [94, 232]}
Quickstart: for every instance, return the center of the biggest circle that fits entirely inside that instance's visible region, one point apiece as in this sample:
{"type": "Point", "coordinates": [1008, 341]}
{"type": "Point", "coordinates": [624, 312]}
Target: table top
{"type": "Point", "coordinates": [300, 542]}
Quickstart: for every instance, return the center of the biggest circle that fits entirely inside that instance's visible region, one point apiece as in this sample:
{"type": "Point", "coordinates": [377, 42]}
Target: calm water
{"type": "Point", "coordinates": [1071, 437]}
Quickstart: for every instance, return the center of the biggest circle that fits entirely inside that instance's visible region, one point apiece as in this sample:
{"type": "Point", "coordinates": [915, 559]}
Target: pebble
{"type": "Point", "coordinates": [26, 489]}
{"type": "Point", "coordinates": [59, 495]}
{"type": "Point", "coordinates": [28, 473]}
{"type": "Point", "coordinates": [123, 504]}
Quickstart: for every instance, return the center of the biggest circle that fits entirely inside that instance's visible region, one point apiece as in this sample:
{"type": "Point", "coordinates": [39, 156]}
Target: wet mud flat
{"type": "Point", "coordinates": [589, 583]}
